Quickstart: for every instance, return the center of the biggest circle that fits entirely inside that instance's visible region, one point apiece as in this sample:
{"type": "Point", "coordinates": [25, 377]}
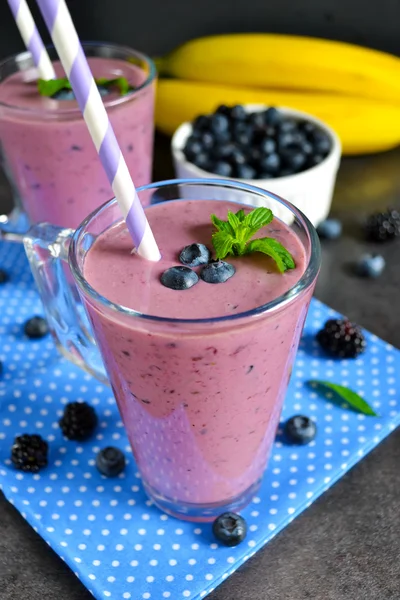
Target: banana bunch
{"type": "Point", "coordinates": [355, 90]}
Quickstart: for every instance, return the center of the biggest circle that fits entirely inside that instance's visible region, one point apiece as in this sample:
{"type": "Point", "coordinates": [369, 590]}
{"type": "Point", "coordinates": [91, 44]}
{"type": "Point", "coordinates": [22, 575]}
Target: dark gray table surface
{"type": "Point", "coordinates": [346, 546]}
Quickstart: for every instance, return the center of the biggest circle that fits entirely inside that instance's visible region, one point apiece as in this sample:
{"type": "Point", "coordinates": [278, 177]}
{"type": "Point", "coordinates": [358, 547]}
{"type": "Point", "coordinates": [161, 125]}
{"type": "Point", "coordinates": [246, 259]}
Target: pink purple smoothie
{"type": "Point", "coordinates": [48, 150]}
{"type": "Point", "coordinates": [200, 403]}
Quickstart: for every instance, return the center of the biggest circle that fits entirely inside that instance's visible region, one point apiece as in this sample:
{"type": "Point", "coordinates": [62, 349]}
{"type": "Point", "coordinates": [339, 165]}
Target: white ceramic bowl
{"type": "Point", "coordinates": [311, 190]}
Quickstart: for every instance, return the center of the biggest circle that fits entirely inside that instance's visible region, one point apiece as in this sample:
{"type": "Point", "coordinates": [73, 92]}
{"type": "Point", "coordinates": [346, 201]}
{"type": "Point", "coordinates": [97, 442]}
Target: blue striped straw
{"type": "Point", "coordinates": [31, 37]}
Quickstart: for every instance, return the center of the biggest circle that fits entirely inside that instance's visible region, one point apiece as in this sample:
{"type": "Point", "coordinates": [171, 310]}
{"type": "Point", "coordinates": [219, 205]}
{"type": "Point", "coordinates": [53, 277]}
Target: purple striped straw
{"type": "Point", "coordinates": [72, 57]}
{"type": "Point", "coordinates": [32, 39]}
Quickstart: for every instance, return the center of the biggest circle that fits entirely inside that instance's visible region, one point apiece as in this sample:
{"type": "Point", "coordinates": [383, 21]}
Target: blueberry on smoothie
{"type": "Point", "coordinates": [195, 255]}
{"type": "Point", "coordinates": [179, 278]}
{"type": "Point", "coordinates": [217, 272]}
{"type": "Point", "coordinates": [64, 95]}
{"type": "Point", "coordinates": [230, 529]}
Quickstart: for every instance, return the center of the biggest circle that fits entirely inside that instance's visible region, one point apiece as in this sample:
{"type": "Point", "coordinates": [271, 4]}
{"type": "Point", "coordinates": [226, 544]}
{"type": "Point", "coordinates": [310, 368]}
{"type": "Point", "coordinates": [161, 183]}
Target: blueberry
{"type": "Point", "coordinates": [254, 156]}
{"type": "Point", "coordinates": [256, 119]}
{"type": "Point", "coordinates": [244, 139]}
{"type": "Point", "coordinates": [36, 328]}
{"type": "Point", "coordinates": [217, 272]}
{"type": "Point", "coordinates": [219, 123]}
{"type": "Point", "coordinates": [202, 123]}
{"type": "Point", "coordinates": [315, 159]}
{"type": "Point", "coordinates": [239, 127]}
{"type": "Point", "coordinates": [285, 139]}
{"type": "Point", "coordinates": [237, 157]}
{"type": "Point", "coordinates": [103, 90]}
{"type": "Point", "coordinates": [271, 131]}
{"type": "Point", "coordinates": [224, 110]}
{"type": "Point", "coordinates": [202, 161]}
{"type": "Point", "coordinates": [293, 158]}
{"type": "Point", "coordinates": [207, 140]}
{"type": "Point", "coordinates": [179, 278]}
{"type": "Point", "coordinates": [238, 113]}
{"type": "Point", "coordinates": [370, 265]}
{"type": "Point", "coordinates": [223, 138]}
{"type": "Point", "coordinates": [270, 164]}
{"type": "Point", "coordinates": [300, 429]}
{"type": "Point", "coordinates": [64, 95]}
{"type": "Point", "coordinates": [272, 116]}
{"type": "Point", "coordinates": [246, 172]}
{"type": "Point", "coordinates": [3, 276]}
{"type": "Point", "coordinates": [330, 229]}
{"type": "Point", "coordinates": [322, 143]}
{"type": "Point", "coordinates": [306, 148]}
{"type": "Point", "coordinates": [288, 125]}
{"type": "Point", "coordinates": [222, 151]}
{"type": "Point", "coordinates": [110, 461]}
{"type": "Point", "coordinates": [195, 255]}
{"type": "Point", "coordinates": [268, 146]}
{"type": "Point", "coordinates": [308, 128]}
{"type": "Point", "coordinates": [192, 148]}
{"type": "Point", "coordinates": [222, 168]}
{"type": "Point", "coordinates": [230, 529]}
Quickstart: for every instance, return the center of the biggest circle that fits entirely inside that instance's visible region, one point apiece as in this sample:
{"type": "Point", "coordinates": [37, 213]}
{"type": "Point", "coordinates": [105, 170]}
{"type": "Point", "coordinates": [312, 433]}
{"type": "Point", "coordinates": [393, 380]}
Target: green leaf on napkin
{"type": "Point", "coordinates": [347, 395]}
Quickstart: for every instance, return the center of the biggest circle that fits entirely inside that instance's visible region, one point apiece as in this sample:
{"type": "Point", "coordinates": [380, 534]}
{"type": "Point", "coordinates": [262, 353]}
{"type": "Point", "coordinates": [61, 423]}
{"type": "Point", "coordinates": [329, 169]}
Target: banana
{"type": "Point", "coordinates": [287, 62]}
{"type": "Point", "coordinates": [364, 125]}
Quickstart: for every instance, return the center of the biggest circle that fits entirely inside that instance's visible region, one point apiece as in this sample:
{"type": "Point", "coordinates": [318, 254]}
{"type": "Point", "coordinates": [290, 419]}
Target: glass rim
{"type": "Point", "coordinates": [305, 281]}
{"type": "Point", "coordinates": [26, 55]}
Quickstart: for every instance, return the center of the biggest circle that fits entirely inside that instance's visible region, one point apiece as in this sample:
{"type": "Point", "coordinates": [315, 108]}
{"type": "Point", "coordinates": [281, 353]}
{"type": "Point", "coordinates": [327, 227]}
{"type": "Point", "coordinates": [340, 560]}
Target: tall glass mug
{"type": "Point", "coordinates": [46, 149]}
{"type": "Point", "coordinates": [198, 454]}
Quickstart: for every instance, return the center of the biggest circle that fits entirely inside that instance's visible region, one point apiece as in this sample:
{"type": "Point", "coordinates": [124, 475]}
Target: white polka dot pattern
{"type": "Point", "coordinates": [107, 530]}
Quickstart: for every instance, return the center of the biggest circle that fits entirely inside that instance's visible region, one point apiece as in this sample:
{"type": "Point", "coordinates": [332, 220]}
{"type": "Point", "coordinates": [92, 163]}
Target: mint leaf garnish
{"type": "Point", "coordinates": [222, 225]}
{"type": "Point", "coordinates": [258, 218]}
{"type": "Point", "coordinates": [121, 83]}
{"type": "Point", "coordinates": [349, 396]}
{"type": "Point", "coordinates": [222, 243]}
{"type": "Point", "coordinates": [275, 250]}
{"type": "Point", "coordinates": [233, 237]}
{"type": "Point", "coordinates": [51, 87]}
{"type": "Point", "coordinates": [241, 215]}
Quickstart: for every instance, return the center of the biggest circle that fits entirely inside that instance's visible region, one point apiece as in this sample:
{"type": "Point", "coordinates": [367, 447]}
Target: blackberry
{"type": "Point", "coordinates": [29, 453]}
{"type": "Point", "coordinates": [342, 339]}
{"type": "Point", "coordinates": [383, 226]}
{"type": "Point", "coordinates": [78, 421]}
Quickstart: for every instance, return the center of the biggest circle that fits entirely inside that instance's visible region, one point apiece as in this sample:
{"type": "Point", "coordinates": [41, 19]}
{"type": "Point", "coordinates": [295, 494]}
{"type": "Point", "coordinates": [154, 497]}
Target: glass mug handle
{"type": "Point", "coordinates": [47, 249]}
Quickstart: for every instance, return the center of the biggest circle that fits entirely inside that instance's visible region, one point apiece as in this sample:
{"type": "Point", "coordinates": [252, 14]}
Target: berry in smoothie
{"type": "Point", "coordinates": [179, 278]}
{"type": "Point", "coordinates": [195, 255]}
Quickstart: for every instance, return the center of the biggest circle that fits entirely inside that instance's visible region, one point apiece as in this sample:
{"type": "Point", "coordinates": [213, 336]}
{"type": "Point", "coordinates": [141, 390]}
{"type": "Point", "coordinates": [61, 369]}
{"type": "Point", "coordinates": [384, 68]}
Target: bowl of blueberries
{"type": "Point", "coordinates": [285, 151]}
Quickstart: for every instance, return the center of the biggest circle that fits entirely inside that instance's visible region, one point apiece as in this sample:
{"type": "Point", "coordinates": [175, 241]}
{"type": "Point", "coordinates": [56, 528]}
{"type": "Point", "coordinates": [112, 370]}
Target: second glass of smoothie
{"type": "Point", "coordinates": [46, 148]}
{"type": "Point", "coordinates": [200, 374]}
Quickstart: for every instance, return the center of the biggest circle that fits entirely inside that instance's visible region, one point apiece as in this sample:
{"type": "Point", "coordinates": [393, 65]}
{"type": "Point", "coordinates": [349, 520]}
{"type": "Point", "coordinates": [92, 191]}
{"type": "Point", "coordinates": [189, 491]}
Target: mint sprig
{"type": "Point", "coordinates": [350, 397]}
{"type": "Point", "coordinates": [51, 87]}
{"type": "Point", "coordinates": [233, 237]}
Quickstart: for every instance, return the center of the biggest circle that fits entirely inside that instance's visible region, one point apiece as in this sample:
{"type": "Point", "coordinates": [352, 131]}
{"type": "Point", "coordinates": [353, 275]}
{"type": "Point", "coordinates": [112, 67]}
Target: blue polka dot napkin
{"type": "Point", "coordinates": [109, 533]}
